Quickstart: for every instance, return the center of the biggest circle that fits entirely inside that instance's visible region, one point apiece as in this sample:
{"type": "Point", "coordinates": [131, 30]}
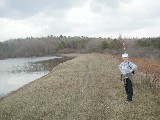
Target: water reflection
{"type": "Point", "coordinates": [15, 73]}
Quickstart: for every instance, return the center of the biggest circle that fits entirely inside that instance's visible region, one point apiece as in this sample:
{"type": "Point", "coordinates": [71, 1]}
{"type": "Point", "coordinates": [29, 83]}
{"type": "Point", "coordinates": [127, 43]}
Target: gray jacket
{"type": "Point", "coordinates": [127, 67]}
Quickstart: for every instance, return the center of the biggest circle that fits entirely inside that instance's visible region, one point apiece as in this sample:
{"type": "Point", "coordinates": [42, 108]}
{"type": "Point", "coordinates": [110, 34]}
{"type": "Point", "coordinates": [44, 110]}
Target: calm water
{"type": "Point", "coordinates": [14, 73]}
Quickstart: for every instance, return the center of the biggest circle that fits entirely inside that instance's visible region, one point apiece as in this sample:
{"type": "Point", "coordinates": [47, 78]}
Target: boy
{"type": "Point", "coordinates": [127, 68]}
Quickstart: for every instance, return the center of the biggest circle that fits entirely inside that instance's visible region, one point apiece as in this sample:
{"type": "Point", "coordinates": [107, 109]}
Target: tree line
{"type": "Point", "coordinates": [150, 47]}
{"type": "Point", "coordinates": [149, 42]}
{"type": "Point", "coordinates": [51, 45]}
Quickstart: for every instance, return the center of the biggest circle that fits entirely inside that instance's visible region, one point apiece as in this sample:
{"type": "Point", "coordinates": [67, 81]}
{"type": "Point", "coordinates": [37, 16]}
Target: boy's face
{"type": "Point", "coordinates": [125, 58]}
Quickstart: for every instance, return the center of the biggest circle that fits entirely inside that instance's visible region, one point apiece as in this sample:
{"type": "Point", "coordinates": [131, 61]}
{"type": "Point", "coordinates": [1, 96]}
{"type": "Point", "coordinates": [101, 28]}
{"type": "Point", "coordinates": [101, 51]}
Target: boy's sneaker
{"type": "Point", "coordinates": [126, 101]}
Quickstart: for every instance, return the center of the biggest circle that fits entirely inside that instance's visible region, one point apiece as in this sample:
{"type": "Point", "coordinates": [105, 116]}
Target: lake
{"type": "Point", "coordinates": [16, 72]}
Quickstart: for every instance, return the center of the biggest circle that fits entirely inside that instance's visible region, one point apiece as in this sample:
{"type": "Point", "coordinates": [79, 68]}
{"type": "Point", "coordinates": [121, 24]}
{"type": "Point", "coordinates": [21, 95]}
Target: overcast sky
{"type": "Point", "coordinates": [93, 18]}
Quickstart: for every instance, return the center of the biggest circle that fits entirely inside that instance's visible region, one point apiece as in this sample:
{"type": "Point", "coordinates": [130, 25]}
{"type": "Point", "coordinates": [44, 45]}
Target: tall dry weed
{"type": "Point", "coordinates": [151, 69]}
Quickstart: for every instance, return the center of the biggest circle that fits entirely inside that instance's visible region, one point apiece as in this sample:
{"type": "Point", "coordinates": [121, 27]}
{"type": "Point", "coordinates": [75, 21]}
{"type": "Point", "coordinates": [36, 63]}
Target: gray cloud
{"type": "Point", "coordinates": [25, 8]}
{"type": "Point", "coordinates": [98, 5]}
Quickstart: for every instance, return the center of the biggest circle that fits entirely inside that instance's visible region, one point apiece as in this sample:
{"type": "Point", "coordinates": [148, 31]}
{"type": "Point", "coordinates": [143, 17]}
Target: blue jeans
{"type": "Point", "coordinates": [129, 89]}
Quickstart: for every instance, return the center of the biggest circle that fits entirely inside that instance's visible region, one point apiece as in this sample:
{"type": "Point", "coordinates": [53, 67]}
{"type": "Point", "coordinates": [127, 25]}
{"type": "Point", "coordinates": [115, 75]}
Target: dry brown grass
{"type": "Point", "coordinates": [84, 88]}
{"type": "Point", "coordinates": [151, 70]}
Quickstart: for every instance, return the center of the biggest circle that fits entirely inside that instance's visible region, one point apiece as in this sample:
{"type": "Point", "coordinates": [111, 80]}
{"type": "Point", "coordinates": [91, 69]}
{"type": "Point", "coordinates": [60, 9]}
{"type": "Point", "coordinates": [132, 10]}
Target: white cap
{"type": "Point", "coordinates": [124, 55]}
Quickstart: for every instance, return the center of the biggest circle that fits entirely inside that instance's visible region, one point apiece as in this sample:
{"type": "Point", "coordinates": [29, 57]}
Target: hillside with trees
{"type": "Point", "coordinates": [51, 45]}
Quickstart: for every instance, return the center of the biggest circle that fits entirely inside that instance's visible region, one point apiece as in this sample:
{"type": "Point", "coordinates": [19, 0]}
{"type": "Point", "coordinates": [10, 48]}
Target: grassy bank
{"type": "Point", "coordinates": [84, 88]}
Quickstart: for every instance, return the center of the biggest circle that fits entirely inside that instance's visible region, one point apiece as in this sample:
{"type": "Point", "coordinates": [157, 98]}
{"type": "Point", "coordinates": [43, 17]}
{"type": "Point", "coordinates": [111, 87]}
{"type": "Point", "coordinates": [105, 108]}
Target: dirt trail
{"type": "Point", "coordinates": [85, 88]}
